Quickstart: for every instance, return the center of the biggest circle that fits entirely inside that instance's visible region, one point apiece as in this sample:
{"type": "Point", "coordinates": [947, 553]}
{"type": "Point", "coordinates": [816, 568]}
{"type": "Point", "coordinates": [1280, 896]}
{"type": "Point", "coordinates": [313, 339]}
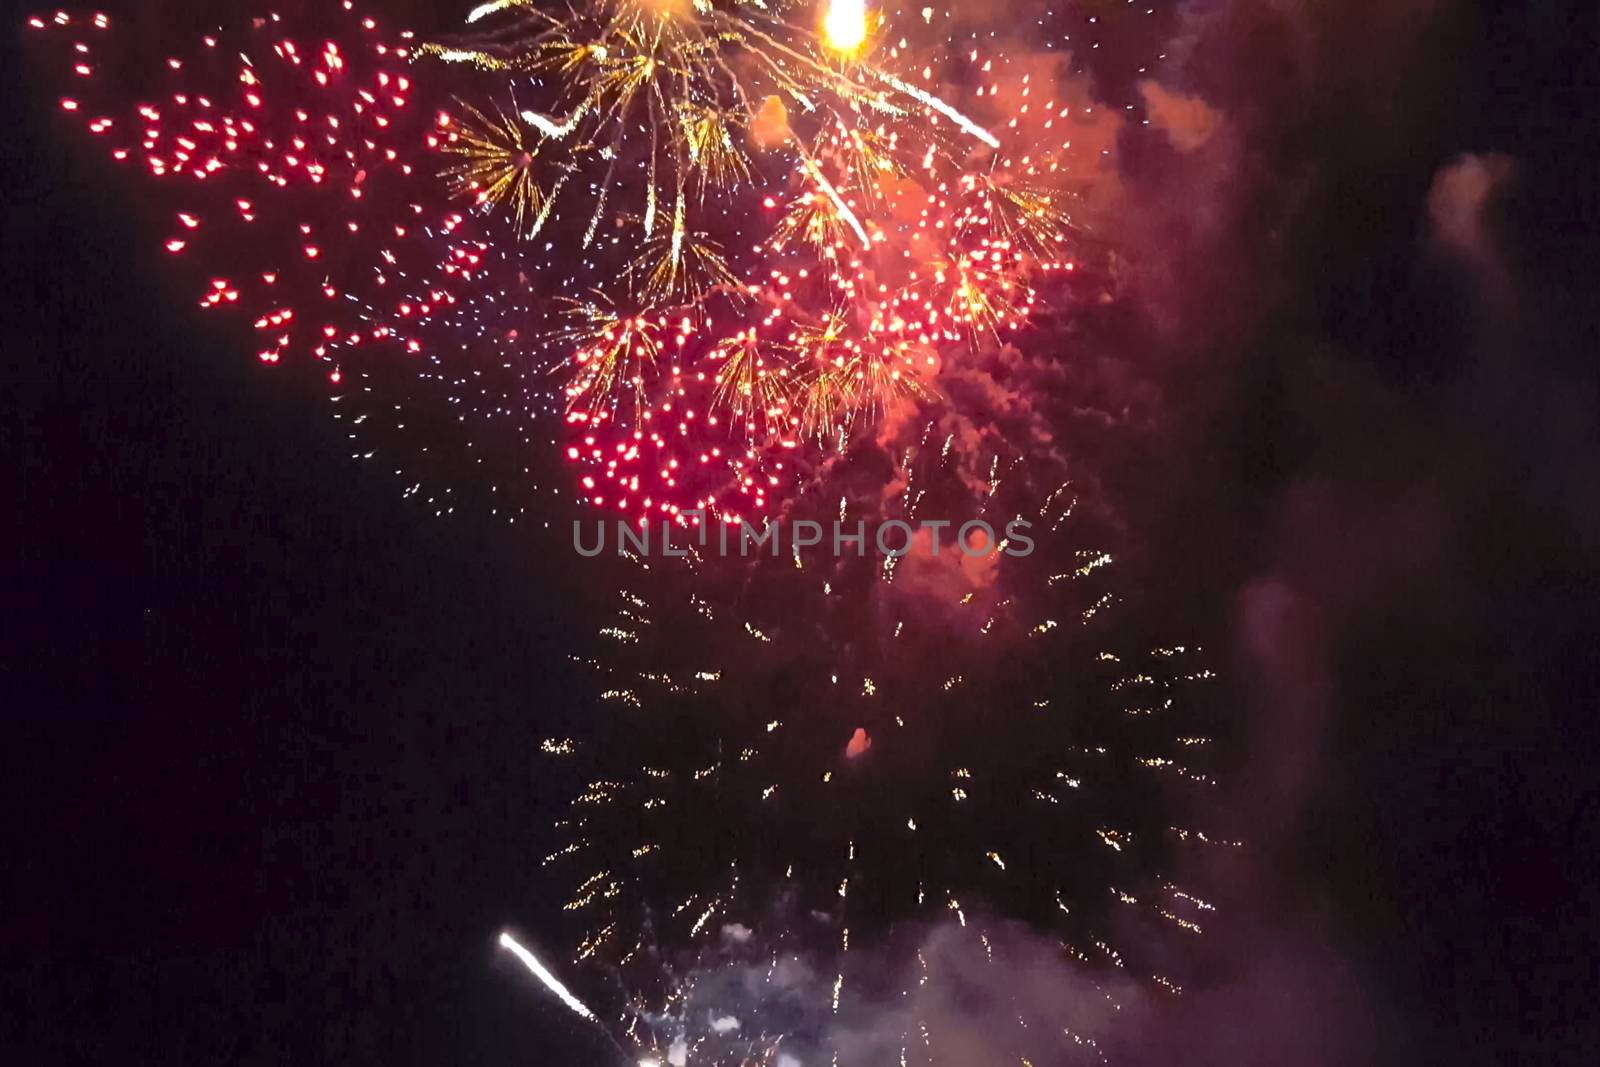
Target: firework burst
{"type": "Point", "coordinates": [835, 229]}
{"type": "Point", "coordinates": [804, 750]}
{"type": "Point", "coordinates": [497, 166]}
{"type": "Point", "coordinates": [675, 119]}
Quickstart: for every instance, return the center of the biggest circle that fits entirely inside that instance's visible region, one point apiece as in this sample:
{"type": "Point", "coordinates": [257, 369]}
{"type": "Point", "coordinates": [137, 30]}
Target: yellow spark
{"type": "Point", "coordinates": [614, 352]}
{"type": "Point", "coordinates": [746, 386]}
{"type": "Point", "coordinates": [681, 267]}
{"type": "Point", "coordinates": [711, 146]}
{"type": "Point", "coordinates": [496, 165]}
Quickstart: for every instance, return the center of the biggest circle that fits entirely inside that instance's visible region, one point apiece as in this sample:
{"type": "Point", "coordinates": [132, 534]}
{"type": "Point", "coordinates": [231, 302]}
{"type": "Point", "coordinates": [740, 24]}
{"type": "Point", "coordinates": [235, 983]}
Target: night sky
{"type": "Point", "coordinates": [267, 751]}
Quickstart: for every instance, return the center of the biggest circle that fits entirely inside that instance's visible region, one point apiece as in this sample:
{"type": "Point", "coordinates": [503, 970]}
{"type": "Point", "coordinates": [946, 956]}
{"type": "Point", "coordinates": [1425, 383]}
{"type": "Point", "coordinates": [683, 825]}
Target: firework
{"type": "Point", "coordinates": [800, 229]}
{"type": "Point", "coordinates": [696, 77]}
{"type": "Point", "coordinates": [307, 168]}
{"type": "Point", "coordinates": [308, 178]}
{"type": "Point", "coordinates": [821, 734]}
{"type": "Point", "coordinates": [771, 172]}
{"type": "Point", "coordinates": [675, 120]}
{"type": "Point", "coordinates": [497, 167]}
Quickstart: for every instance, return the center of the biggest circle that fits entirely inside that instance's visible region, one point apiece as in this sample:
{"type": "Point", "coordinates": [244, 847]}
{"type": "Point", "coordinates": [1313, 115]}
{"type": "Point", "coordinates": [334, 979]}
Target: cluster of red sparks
{"type": "Point", "coordinates": [299, 166]}
{"type": "Point", "coordinates": [721, 410]}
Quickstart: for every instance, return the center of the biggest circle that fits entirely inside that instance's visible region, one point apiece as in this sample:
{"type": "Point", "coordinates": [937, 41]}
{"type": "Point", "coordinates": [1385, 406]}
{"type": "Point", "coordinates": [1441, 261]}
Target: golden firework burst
{"type": "Point", "coordinates": [495, 164]}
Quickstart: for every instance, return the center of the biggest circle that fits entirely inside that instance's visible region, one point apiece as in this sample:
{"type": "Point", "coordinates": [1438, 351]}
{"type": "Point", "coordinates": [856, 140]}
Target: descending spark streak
{"type": "Point", "coordinates": [540, 972]}
{"type": "Point", "coordinates": [838, 201]}
{"type": "Point", "coordinates": [924, 97]}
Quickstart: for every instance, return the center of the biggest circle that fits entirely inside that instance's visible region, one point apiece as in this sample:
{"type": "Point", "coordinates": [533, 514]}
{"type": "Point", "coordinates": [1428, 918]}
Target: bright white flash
{"type": "Point", "coordinates": [845, 24]}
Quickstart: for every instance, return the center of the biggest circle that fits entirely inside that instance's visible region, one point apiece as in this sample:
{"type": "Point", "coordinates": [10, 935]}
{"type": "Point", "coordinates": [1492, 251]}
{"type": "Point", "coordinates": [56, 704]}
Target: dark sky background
{"type": "Point", "coordinates": [266, 762]}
